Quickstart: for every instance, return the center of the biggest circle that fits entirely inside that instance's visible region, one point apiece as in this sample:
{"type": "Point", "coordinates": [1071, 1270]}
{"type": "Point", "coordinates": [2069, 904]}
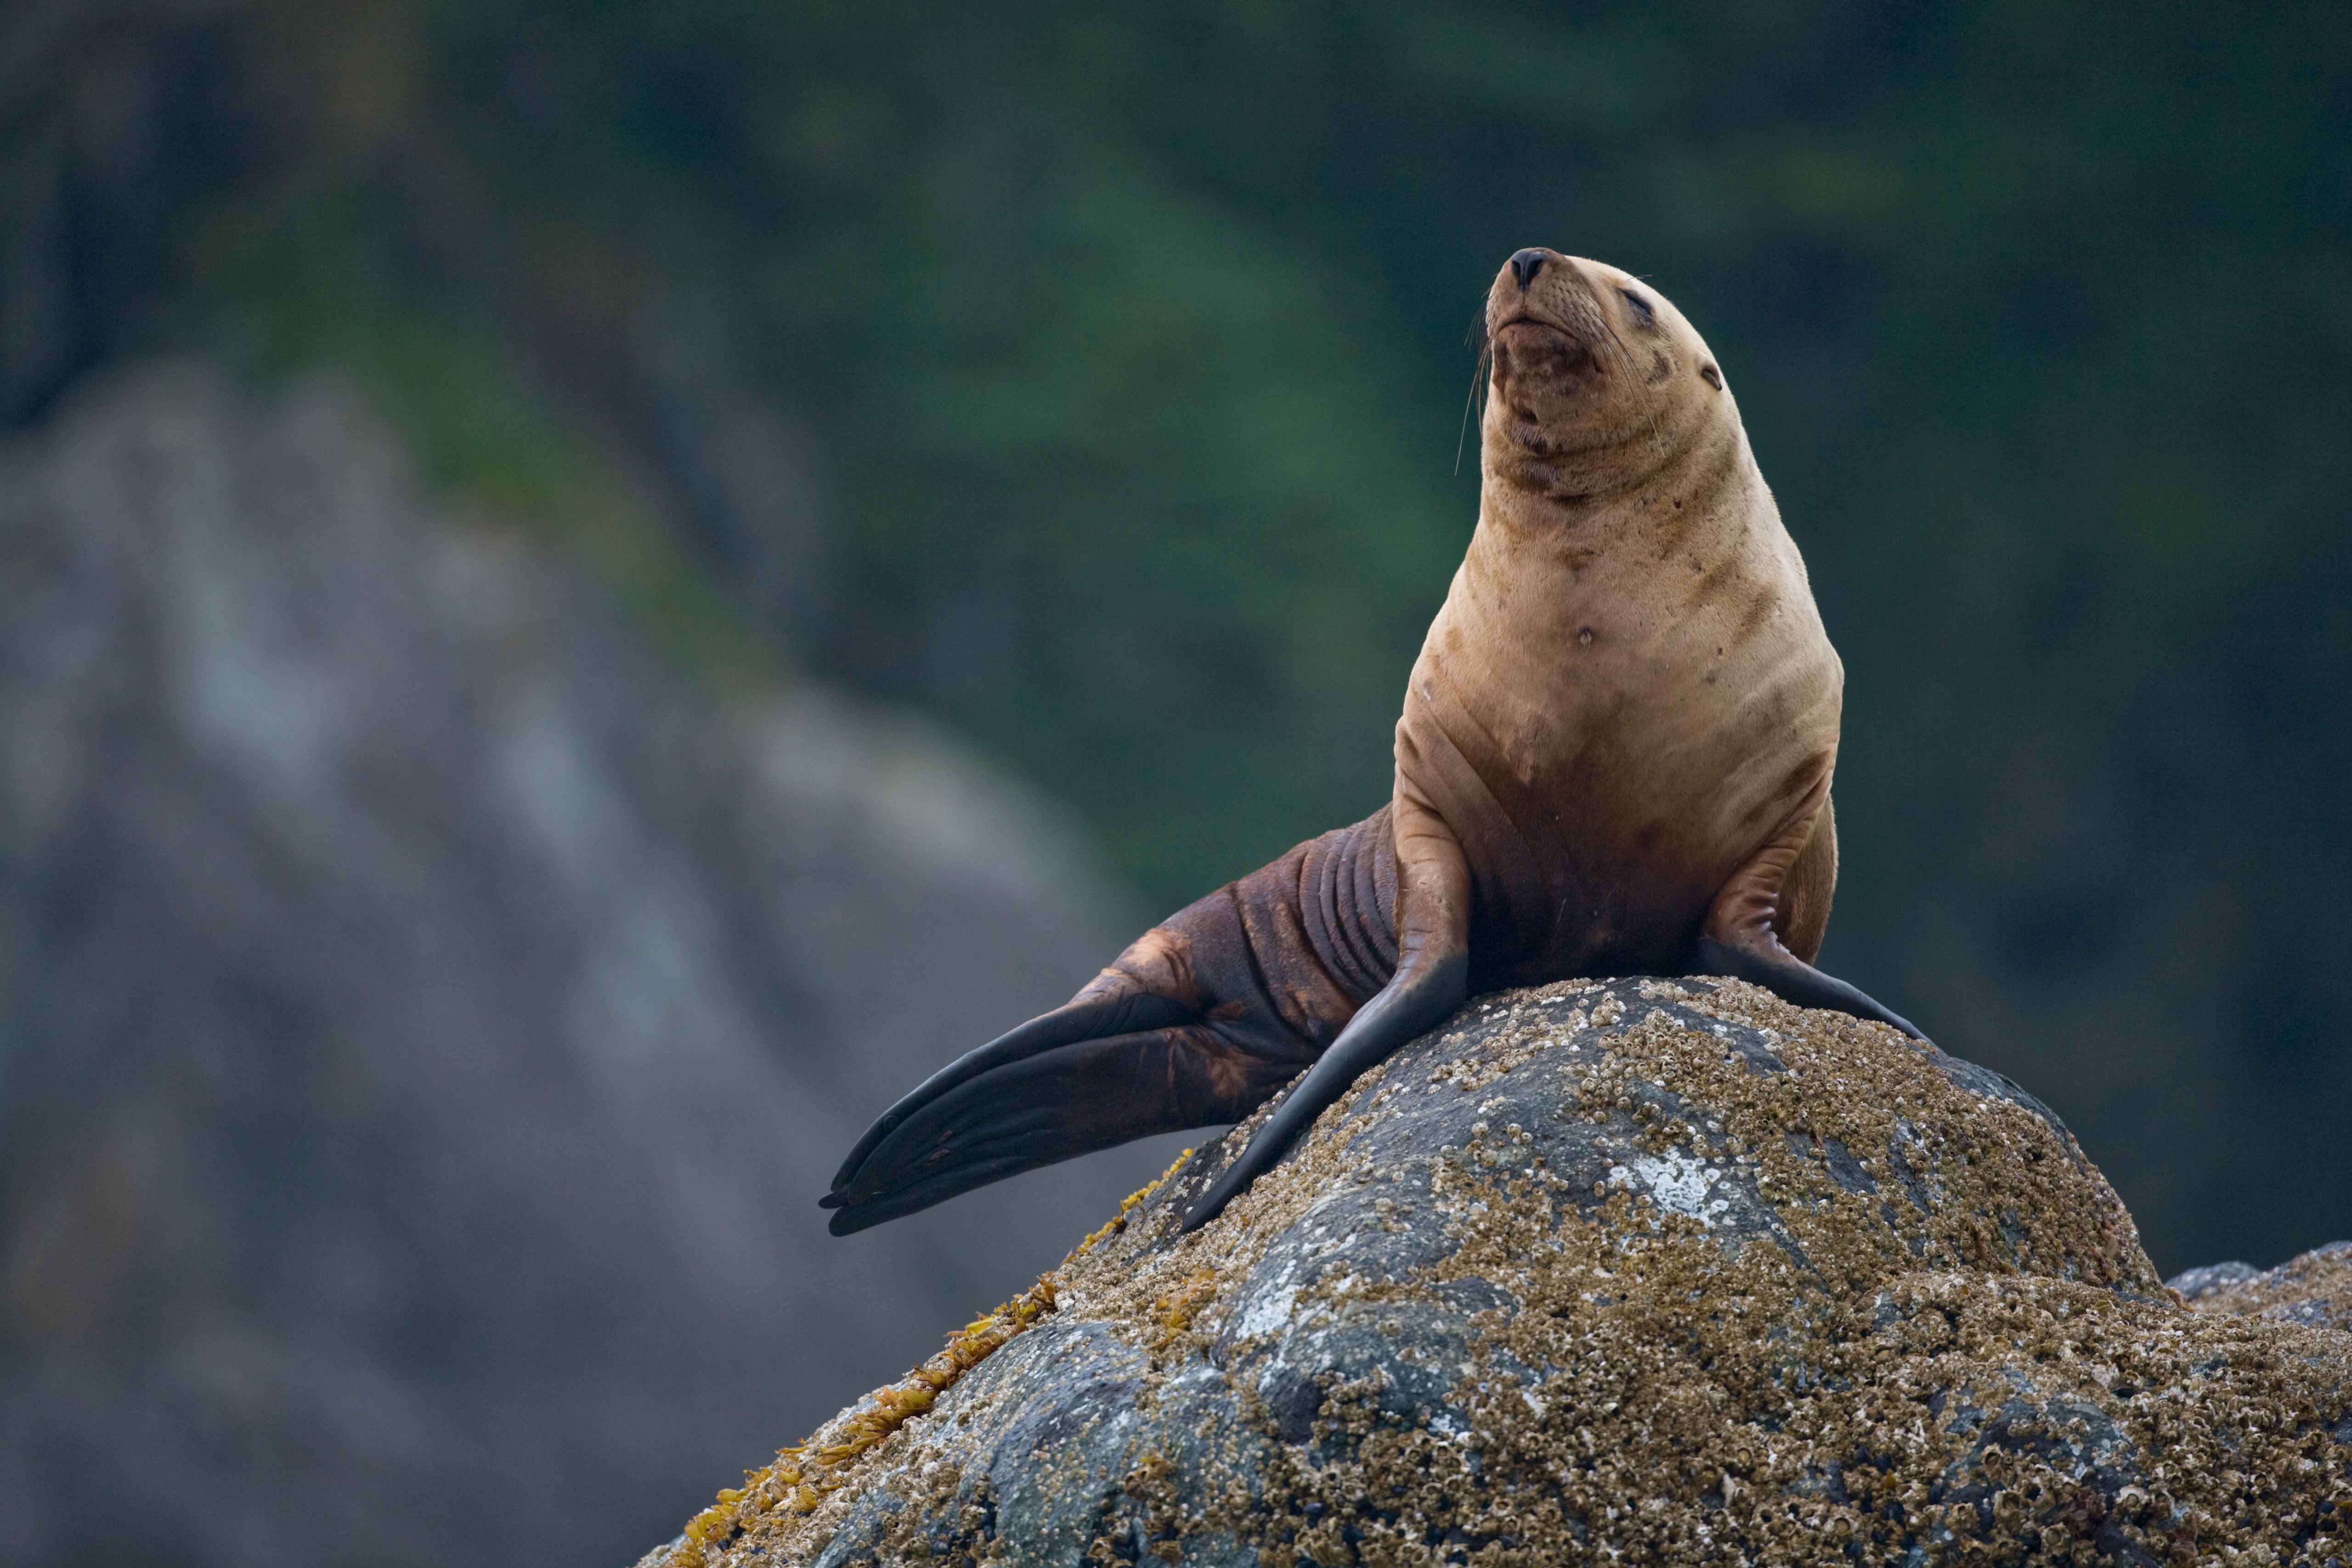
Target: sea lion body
{"type": "Point", "coordinates": [1606, 761]}
{"type": "Point", "coordinates": [1614, 757]}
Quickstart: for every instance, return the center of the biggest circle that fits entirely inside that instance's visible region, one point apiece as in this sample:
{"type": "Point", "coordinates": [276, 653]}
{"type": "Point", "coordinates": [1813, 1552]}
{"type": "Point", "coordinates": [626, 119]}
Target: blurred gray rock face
{"type": "Point", "coordinates": [1636, 1271]}
{"type": "Point", "coordinates": [426, 1022]}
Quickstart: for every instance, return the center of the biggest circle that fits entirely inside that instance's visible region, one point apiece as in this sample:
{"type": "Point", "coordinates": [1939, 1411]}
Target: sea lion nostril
{"type": "Point", "coordinates": [1526, 264]}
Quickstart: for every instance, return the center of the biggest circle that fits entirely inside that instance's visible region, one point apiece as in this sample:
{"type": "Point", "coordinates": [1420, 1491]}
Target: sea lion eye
{"type": "Point", "coordinates": [1641, 307]}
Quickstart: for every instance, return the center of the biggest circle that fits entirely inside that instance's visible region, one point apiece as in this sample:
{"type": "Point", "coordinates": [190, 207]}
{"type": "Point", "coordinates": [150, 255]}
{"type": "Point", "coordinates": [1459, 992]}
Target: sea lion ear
{"type": "Point", "coordinates": [1712, 376]}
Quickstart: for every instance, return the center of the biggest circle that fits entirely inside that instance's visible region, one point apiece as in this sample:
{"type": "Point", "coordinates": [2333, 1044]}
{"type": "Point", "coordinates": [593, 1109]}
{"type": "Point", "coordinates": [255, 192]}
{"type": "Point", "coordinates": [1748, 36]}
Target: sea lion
{"type": "Point", "coordinates": [1614, 758]}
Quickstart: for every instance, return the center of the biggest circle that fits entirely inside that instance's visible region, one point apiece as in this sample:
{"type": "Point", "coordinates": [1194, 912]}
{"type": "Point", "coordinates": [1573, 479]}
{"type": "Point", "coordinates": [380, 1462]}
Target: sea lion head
{"type": "Point", "coordinates": [1596, 378]}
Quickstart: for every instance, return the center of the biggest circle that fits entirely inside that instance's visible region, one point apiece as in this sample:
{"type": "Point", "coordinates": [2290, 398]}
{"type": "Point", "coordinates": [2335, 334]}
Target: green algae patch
{"type": "Point", "coordinates": [1638, 1271]}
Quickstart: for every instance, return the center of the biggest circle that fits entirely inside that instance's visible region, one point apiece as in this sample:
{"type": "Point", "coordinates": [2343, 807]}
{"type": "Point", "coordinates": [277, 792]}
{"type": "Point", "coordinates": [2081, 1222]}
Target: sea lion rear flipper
{"type": "Point", "coordinates": [1741, 935]}
{"type": "Point", "coordinates": [1200, 1020]}
{"type": "Point", "coordinates": [1115, 1002]}
{"type": "Point", "coordinates": [1050, 1105]}
{"type": "Point", "coordinates": [1432, 973]}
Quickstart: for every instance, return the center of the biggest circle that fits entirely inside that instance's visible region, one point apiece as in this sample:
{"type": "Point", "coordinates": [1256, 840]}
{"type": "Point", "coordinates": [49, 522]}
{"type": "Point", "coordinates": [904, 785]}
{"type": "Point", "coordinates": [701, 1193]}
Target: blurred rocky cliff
{"type": "Point", "coordinates": [427, 1019]}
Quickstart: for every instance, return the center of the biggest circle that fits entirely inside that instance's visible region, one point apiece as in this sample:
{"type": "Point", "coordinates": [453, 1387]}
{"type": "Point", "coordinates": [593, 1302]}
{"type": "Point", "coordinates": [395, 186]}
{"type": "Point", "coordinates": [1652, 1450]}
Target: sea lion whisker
{"type": "Point", "coordinates": [1623, 353]}
{"type": "Point", "coordinates": [1470, 399]}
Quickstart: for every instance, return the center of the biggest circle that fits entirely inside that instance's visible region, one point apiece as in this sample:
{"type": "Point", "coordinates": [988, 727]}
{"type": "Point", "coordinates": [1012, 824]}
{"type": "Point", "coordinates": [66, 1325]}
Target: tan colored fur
{"type": "Point", "coordinates": [1629, 668]}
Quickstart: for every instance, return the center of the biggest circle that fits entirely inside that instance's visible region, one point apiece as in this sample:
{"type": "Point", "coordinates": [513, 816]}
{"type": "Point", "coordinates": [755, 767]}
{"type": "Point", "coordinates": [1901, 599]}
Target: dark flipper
{"type": "Point", "coordinates": [1793, 980]}
{"type": "Point", "coordinates": [1197, 1022]}
{"type": "Point", "coordinates": [1098, 1012]}
{"type": "Point", "coordinates": [1052, 1105]}
{"type": "Point", "coordinates": [1740, 936]}
{"type": "Point", "coordinates": [1389, 1020]}
{"type": "Point", "coordinates": [1433, 972]}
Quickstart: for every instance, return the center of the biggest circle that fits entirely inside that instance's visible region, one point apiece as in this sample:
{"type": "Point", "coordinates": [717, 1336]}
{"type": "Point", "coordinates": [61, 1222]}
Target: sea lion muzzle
{"type": "Point", "coordinates": [1614, 757]}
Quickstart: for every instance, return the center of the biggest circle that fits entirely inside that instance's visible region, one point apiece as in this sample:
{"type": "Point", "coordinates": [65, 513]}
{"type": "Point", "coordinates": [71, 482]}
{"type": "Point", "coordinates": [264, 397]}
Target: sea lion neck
{"type": "Point", "coordinates": [1686, 484]}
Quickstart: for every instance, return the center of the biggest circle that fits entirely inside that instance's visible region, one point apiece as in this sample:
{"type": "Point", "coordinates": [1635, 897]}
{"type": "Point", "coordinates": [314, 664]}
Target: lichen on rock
{"type": "Point", "coordinates": [1641, 1270]}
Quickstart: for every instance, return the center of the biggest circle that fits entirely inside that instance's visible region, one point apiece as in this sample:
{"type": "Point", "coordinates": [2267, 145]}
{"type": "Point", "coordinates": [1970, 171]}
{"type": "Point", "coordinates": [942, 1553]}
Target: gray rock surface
{"type": "Point", "coordinates": [2314, 1289]}
{"type": "Point", "coordinates": [426, 1022]}
{"type": "Point", "coordinates": [1642, 1272]}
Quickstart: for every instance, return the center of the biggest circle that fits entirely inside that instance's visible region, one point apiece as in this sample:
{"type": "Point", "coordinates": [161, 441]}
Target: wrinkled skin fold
{"type": "Point", "coordinates": [1614, 757]}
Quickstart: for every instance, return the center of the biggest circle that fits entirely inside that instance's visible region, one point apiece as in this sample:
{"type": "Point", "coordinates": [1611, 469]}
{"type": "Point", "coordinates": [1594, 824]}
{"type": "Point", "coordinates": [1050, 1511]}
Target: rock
{"type": "Point", "coordinates": [2314, 1289]}
{"type": "Point", "coordinates": [2195, 1285]}
{"type": "Point", "coordinates": [1643, 1271]}
{"type": "Point", "coordinates": [427, 1021]}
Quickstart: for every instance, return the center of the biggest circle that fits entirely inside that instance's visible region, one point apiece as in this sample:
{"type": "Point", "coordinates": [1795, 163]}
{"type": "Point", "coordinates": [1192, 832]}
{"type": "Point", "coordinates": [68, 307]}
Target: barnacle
{"type": "Point", "coordinates": [1948, 1294]}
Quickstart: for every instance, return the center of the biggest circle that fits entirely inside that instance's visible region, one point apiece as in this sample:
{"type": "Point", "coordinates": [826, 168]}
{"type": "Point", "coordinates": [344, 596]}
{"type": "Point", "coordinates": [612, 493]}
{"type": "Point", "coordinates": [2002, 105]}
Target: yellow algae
{"type": "Point", "coordinates": [1179, 1307]}
{"type": "Point", "coordinates": [796, 1482]}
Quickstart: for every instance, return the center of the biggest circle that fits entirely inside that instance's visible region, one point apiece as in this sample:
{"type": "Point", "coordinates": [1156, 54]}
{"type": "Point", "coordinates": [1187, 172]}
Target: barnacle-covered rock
{"type": "Point", "coordinates": [1646, 1271]}
{"type": "Point", "coordinates": [2316, 1289]}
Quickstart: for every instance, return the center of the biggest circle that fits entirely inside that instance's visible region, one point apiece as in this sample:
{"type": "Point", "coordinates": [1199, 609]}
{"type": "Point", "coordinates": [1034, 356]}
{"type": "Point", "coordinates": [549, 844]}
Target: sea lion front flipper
{"type": "Point", "coordinates": [1432, 975]}
{"type": "Point", "coordinates": [1794, 981]}
{"type": "Point", "coordinates": [1741, 936]}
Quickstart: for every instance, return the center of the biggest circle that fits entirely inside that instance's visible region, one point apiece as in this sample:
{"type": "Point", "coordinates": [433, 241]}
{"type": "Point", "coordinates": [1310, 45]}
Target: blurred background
{"type": "Point", "coordinates": [588, 589]}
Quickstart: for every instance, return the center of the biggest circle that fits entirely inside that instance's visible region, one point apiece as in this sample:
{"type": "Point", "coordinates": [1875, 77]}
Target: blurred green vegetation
{"type": "Point", "coordinates": [306, 295]}
{"type": "Point", "coordinates": [1129, 344]}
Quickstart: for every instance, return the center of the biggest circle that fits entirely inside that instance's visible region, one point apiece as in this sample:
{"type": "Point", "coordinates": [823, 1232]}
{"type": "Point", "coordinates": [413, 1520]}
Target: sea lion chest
{"type": "Point", "coordinates": [1641, 700]}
